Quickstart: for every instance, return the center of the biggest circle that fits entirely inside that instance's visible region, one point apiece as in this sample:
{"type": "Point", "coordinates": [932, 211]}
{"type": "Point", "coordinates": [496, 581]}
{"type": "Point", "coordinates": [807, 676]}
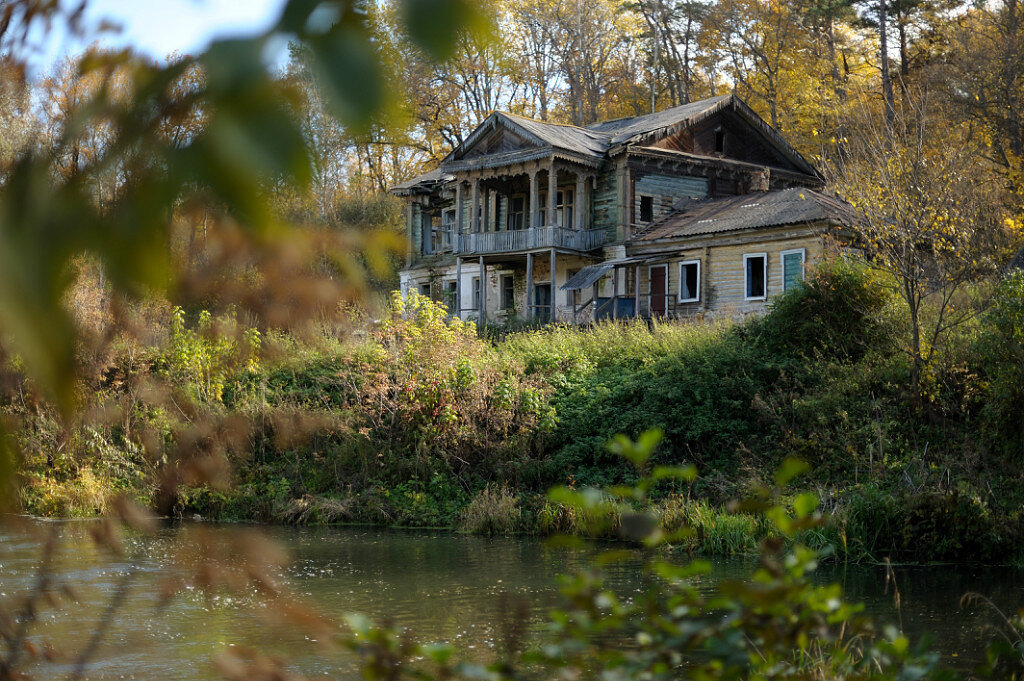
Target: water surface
{"type": "Point", "coordinates": [440, 585]}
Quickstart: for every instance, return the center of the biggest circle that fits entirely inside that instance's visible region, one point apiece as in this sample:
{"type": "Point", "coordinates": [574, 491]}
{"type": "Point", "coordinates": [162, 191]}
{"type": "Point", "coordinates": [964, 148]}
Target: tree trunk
{"type": "Point", "coordinates": [887, 94]}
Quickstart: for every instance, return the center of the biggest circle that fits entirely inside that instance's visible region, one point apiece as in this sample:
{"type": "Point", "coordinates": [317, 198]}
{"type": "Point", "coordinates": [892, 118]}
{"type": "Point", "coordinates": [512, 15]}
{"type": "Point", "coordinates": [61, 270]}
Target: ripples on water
{"type": "Point", "coordinates": [442, 586]}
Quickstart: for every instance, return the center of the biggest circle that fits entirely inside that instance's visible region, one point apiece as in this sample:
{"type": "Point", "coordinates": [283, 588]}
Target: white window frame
{"type": "Point", "coordinates": [746, 282]}
{"type": "Point", "coordinates": [476, 292]}
{"type": "Point", "coordinates": [782, 263]}
{"type": "Point", "coordinates": [682, 278]}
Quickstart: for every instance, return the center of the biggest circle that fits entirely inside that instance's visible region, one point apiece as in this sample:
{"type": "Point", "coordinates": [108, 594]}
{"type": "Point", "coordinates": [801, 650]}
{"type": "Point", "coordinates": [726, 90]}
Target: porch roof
{"type": "Point", "coordinates": [593, 273]}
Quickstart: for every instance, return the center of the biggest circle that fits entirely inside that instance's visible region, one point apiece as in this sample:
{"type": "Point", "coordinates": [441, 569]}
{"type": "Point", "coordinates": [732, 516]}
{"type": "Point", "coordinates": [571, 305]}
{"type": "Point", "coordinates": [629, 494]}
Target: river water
{"type": "Point", "coordinates": [440, 585]}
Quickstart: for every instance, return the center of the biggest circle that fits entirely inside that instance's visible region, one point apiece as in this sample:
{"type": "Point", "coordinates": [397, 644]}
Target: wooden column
{"type": "Point", "coordinates": [458, 287]}
{"type": "Point", "coordinates": [552, 191]}
{"type": "Point", "coordinates": [636, 291]}
{"type": "Point", "coordinates": [534, 199]}
{"type": "Point", "coordinates": [474, 209]}
{"type": "Point", "coordinates": [529, 286]}
{"type": "Point", "coordinates": [458, 208]}
{"type": "Point", "coordinates": [483, 292]}
{"type": "Point", "coordinates": [615, 292]}
{"type": "Point", "coordinates": [554, 291]}
{"type": "Point", "coordinates": [485, 211]}
{"type": "Point", "coordinates": [595, 291]}
{"type": "Point", "coordinates": [579, 206]}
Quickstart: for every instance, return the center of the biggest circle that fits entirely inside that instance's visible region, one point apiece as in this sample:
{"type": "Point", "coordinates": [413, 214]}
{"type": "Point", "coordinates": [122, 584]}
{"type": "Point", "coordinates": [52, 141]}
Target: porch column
{"type": "Point", "coordinates": [554, 290]}
{"type": "Point", "coordinates": [636, 291]}
{"type": "Point", "coordinates": [458, 288]}
{"type": "Point", "coordinates": [474, 210]}
{"type": "Point", "coordinates": [483, 292]}
{"type": "Point", "coordinates": [615, 292]}
{"type": "Point", "coordinates": [534, 199]}
{"type": "Point", "coordinates": [579, 205]}
{"type": "Point", "coordinates": [486, 211]}
{"type": "Point", "coordinates": [529, 286]}
{"type": "Point", "coordinates": [458, 207]}
{"type": "Point", "coordinates": [552, 191]}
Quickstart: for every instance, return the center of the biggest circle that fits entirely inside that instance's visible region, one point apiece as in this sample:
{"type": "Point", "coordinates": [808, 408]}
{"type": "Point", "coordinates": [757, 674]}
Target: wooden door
{"type": "Point", "coordinates": [658, 290]}
{"type": "Point", "coordinates": [542, 302]}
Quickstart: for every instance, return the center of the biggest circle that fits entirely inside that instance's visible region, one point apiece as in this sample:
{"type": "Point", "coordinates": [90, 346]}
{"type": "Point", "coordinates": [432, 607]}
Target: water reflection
{"type": "Point", "coordinates": [444, 587]}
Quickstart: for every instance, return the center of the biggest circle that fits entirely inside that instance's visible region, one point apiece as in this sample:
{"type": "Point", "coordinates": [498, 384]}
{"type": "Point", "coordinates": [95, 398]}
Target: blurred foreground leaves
{"type": "Point", "coordinates": [147, 149]}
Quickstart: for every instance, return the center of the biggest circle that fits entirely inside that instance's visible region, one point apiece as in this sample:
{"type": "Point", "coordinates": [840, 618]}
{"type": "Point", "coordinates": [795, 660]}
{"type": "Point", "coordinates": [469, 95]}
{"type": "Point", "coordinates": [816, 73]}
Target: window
{"type": "Point", "coordinates": [646, 208]}
{"type": "Point", "coordinates": [516, 212]}
{"type": "Point", "coordinates": [476, 293]}
{"type": "Point", "coordinates": [755, 267]}
{"type": "Point", "coordinates": [447, 228]}
{"type": "Point", "coordinates": [720, 141]}
{"type": "Point", "coordinates": [449, 296]}
{"type": "Point", "coordinates": [575, 296]}
{"type": "Point", "coordinates": [689, 281]}
{"type": "Point", "coordinates": [792, 267]}
{"type": "Point", "coordinates": [425, 290]}
{"type": "Point", "coordinates": [508, 292]}
{"type": "Point", "coordinates": [564, 207]}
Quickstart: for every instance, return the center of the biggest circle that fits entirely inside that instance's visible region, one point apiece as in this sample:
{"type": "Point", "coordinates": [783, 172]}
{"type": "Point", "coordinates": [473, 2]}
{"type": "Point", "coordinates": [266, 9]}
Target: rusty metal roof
{"type": "Point", "coordinates": [749, 211]}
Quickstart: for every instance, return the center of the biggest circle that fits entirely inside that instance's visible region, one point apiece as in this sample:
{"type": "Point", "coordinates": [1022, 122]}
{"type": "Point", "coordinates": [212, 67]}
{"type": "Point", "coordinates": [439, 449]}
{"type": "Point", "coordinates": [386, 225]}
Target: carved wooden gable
{"type": "Point", "coordinates": [499, 140]}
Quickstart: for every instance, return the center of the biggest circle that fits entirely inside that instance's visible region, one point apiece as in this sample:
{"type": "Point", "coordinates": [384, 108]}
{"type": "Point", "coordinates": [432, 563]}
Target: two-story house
{"type": "Point", "coordinates": [700, 209]}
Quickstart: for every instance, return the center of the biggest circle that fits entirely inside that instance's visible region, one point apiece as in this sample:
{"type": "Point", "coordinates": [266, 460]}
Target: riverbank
{"type": "Point", "coordinates": [420, 421]}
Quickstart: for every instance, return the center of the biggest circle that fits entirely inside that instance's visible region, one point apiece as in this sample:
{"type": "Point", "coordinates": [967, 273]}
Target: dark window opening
{"type": "Point", "coordinates": [646, 208]}
{"type": "Point", "coordinates": [425, 290]}
{"type": "Point", "coordinates": [720, 141]}
{"type": "Point", "coordinates": [508, 292]}
{"type": "Point", "coordinates": [755, 276]}
{"type": "Point", "coordinates": [689, 282]}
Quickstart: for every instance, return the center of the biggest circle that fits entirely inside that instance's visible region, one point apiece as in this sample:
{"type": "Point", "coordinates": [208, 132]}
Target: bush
{"type": "Point", "coordinates": [494, 510]}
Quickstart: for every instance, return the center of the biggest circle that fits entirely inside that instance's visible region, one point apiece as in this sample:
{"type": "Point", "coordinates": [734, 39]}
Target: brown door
{"type": "Point", "coordinates": [658, 290]}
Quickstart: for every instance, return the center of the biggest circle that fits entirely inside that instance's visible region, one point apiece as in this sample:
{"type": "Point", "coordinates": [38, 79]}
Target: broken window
{"type": "Point", "coordinates": [689, 281]}
{"type": "Point", "coordinates": [646, 208]}
{"type": "Point", "coordinates": [755, 266]}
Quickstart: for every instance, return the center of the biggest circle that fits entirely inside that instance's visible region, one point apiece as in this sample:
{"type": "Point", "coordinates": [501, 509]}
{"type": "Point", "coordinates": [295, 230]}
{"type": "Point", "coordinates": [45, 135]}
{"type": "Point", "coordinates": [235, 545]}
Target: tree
{"type": "Point", "coordinates": [928, 222]}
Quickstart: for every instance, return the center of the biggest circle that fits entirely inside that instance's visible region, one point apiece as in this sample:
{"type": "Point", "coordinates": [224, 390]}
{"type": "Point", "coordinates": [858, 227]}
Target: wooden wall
{"type": "Point", "coordinates": [722, 270]}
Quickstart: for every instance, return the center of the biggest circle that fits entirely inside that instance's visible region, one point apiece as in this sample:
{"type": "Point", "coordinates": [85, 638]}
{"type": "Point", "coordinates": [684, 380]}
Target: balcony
{"type": "Point", "coordinates": [485, 243]}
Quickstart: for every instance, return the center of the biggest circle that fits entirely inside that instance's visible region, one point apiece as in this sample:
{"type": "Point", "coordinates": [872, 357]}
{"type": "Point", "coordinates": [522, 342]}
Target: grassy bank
{"type": "Point", "coordinates": [420, 421]}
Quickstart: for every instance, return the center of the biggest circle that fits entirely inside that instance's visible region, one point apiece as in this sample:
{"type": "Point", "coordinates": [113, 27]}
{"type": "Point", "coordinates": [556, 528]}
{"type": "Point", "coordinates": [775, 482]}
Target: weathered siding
{"type": "Point", "coordinates": [605, 210]}
{"type": "Point", "coordinates": [666, 191]}
{"type": "Point", "coordinates": [722, 273]}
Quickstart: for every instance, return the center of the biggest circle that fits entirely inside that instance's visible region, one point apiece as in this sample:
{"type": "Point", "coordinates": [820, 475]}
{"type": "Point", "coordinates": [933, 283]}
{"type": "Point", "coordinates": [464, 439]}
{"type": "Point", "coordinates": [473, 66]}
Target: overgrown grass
{"type": "Point", "coordinates": [418, 420]}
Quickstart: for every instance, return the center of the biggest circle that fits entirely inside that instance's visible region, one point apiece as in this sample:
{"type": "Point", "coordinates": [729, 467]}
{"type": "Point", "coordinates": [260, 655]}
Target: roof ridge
{"type": "Point", "coordinates": [560, 125]}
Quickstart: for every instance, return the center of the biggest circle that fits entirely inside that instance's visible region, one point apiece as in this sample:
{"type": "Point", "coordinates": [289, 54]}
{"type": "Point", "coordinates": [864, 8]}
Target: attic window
{"type": "Point", "coordinates": [720, 141]}
{"type": "Point", "coordinates": [646, 208]}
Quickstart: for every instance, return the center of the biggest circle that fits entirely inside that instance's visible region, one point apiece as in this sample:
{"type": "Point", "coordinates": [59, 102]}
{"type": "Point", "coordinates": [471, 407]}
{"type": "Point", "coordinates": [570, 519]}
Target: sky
{"type": "Point", "coordinates": [159, 27]}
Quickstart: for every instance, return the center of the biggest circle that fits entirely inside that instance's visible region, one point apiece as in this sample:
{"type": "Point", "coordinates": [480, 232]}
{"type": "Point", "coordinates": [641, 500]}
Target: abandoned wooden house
{"type": "Point", "coordinates": [702, 209]}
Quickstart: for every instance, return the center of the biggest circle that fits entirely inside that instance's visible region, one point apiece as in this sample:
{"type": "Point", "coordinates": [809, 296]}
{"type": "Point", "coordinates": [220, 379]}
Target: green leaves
{"type": "Point", "coordinates": [435, 25]}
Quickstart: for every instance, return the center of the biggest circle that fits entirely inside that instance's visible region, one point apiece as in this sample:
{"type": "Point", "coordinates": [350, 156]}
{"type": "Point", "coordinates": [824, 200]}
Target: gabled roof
{"type": "Point", "coordinates": [659, 123]}
{"type": "Point", "coordinates": [593, 144]}
{"type": "Point", "coordinates": [758, 210]}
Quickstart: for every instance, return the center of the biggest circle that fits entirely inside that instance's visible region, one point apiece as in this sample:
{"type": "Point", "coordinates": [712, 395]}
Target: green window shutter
{"type": "Point", "coordinates": [792, 269]}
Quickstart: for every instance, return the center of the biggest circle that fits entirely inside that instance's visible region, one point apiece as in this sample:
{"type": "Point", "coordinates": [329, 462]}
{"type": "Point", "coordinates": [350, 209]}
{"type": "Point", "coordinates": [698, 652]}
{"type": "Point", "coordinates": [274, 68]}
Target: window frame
{"type": "Point", "coordinates": [803, 263]}
{"type": "Point", "coordinates": [476, 290]}
{"type": "Point", "coordinates": [682, 279]}
{"type": "Point", "coordinates": [508, 304]}
{"type": "Point", "coordinates": [509, 213]}
{"type": "Point", "coordinates": [565, 206]}
{"type": "Point", "coordinates": [746, 276]}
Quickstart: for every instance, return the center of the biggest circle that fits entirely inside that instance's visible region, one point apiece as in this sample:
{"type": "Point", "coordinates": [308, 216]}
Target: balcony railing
{"type": "Point", "coordinates": [527, 239]}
